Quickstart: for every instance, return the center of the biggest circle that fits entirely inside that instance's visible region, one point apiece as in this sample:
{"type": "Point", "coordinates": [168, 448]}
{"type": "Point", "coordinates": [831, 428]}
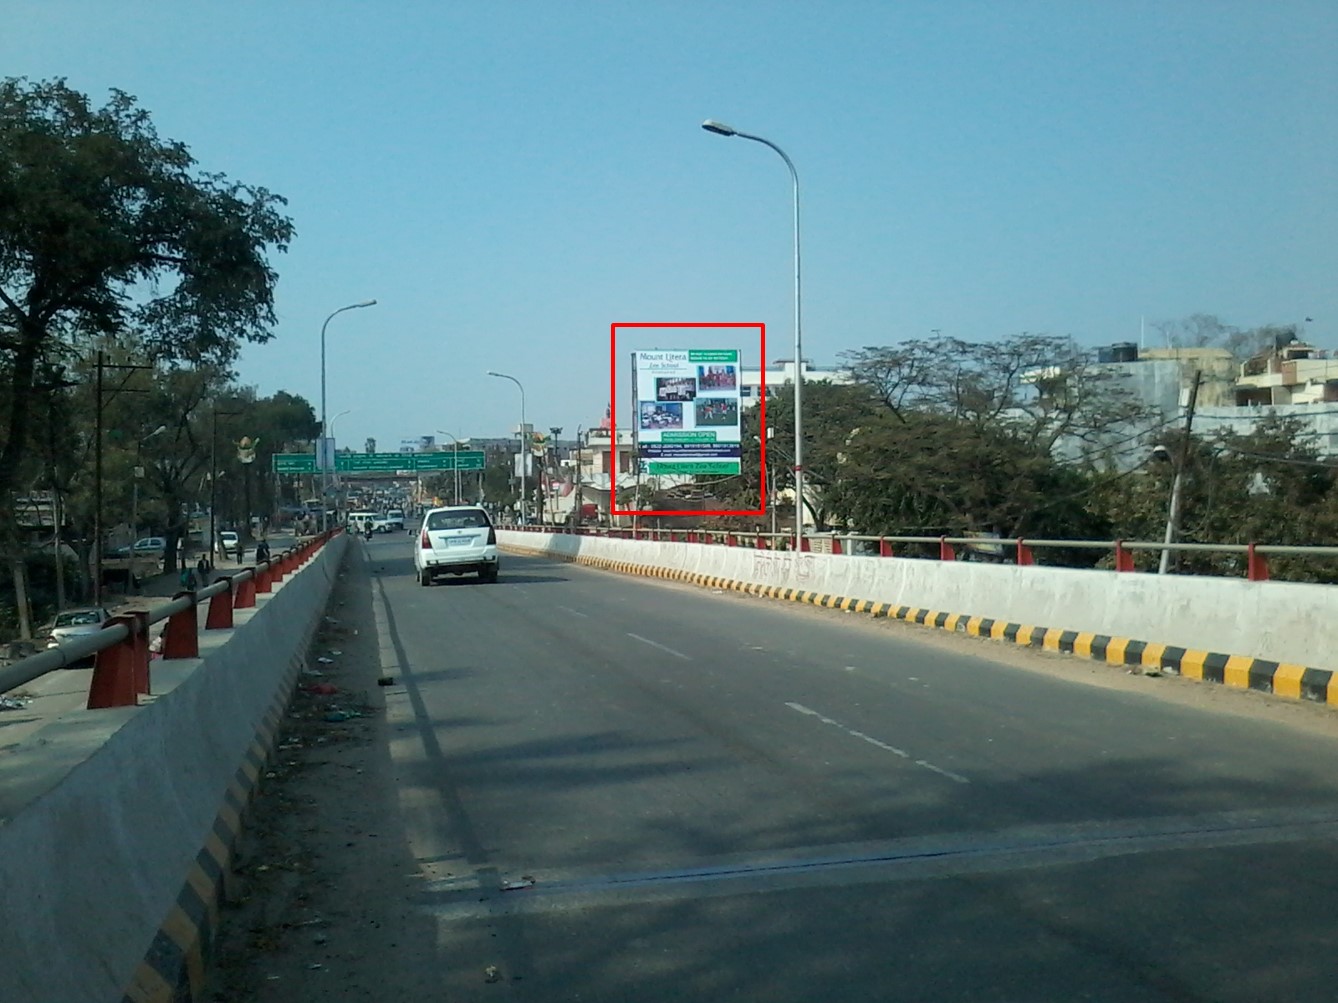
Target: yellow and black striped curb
{"type": "Point", "coordinates": [1284, 679]}
{"type": "Point", "coordinates": [173, 969]}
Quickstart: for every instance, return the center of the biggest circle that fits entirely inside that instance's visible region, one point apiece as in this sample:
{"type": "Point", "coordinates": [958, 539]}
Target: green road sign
{"type": "Point", "coordinates": [469, 459]}
{"type": "Point", "coordinates": [294, 463]}
{"type": "Point", "coordinates": [352, 463]}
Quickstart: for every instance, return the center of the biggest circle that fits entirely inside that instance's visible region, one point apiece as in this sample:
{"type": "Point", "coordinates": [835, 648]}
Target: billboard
{"type": "Point", "coordinates": [687, 410]}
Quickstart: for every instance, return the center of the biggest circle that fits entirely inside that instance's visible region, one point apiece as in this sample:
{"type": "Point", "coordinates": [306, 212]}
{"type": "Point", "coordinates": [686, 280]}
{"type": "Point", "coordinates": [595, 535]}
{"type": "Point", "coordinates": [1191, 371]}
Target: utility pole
{"type": "Point", "coordinates": [1173, 517]}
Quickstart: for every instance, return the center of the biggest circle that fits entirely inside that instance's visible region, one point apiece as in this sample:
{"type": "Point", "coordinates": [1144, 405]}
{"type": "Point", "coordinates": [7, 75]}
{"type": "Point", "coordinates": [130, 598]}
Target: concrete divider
{"type": "Point", "coordinates": [1185, 621]}
{"type": "Point", "coordinates": [115, 824]}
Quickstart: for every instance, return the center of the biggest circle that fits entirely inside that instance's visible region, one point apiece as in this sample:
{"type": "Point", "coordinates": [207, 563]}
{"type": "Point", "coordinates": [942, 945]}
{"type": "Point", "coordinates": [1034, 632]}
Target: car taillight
{"type": "Point", "coordinates": [492, 536]}
{"type": "Point", "coordinates": [425, 543]}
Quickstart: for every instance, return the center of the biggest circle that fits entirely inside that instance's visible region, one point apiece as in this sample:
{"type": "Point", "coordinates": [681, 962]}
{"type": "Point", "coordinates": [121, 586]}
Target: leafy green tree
{"type": "Point", "coordinates": [105, 227]}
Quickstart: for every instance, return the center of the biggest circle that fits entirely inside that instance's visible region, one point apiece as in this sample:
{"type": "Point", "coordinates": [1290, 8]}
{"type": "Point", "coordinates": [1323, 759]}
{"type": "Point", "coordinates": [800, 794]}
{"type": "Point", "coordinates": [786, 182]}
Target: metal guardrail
{"type": "Point", "coordinates": [1023, 549]}
{"type": "Point", "coordinates": [121, 648]}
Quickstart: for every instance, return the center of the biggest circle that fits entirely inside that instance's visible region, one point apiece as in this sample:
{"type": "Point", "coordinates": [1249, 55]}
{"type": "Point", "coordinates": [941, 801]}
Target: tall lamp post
{"type": "Point", "coordinates": [134, 494]}
{"type": "Point", "coordinates": [524, 446]}
{"type": "Point", "coordinates": [323, 456]}
{"type": "Point", "coordinates": [455, 461]}
{"type": "Point", "coordinates": [338, 488]}
{"type": "Point", "coordinates": [720, 129]}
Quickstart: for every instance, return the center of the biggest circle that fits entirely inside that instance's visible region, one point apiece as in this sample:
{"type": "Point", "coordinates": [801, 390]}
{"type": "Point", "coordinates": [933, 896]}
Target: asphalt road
{"type": "Point", "coordinates": [609, 788]}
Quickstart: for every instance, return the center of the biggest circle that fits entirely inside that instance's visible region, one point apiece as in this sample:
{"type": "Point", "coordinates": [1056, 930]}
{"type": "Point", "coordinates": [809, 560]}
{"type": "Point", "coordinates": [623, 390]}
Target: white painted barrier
{"type": "Point", "coordinates": [1280, 621]}
{"type": "Point", "coordinates": [105, 811]}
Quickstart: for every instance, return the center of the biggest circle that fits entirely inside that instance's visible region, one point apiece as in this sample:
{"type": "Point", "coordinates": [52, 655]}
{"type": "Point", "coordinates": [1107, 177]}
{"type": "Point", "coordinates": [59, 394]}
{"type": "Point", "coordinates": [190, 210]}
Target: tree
{"type": "Point", "coordinates": [104, 228]}
{"type": "Point", "coordinates": [966, 437]}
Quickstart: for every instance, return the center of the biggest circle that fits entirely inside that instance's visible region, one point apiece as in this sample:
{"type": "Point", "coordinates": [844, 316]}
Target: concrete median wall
{"type": "Point", "coordinates": [107, 812]}
{"type": "Point", "coordinates": [1278, 621]}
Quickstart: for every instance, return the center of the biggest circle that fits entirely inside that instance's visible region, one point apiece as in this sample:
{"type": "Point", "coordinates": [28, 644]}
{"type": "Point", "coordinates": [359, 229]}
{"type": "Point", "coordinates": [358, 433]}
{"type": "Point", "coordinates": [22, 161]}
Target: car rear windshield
{"type": "Point", "coordinates": [468, 519]}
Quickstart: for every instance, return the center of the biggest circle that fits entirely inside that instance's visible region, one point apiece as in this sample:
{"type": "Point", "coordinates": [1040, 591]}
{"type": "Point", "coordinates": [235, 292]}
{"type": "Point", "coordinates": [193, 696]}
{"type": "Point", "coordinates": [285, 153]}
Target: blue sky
{"type": "Point", "coordinates": [507, 179]}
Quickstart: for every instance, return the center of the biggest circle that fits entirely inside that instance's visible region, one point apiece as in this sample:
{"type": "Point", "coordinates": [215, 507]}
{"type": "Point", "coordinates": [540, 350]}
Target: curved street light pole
{"type": "Point", "coordinates": [455, 461]}
{"type": "Point", "coordinates": [524, 446]}
{"type": "Point", "coordinates": [720, 129]}
{"type": "Point", "coordinates": [322, 457]}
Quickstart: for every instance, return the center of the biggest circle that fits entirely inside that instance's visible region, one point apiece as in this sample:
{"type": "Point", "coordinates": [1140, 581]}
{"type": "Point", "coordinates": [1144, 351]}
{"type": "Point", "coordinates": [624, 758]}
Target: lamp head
{"type": "Point", "coordinates": [366, 303]}
{"type": "Point", "coordinates": [719, 128]}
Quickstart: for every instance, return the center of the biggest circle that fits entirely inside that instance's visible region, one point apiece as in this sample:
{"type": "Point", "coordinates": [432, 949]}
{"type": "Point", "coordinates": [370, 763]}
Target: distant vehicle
{"type": "Point", "coordinates": [458, 540]}
{"type": "Point", "coordinates": [357, 521]}
{"type": "Point", "coordinates": [73, 623]}
{"type": "Point", "coordinates": [226, 544]}
{"type": "Point", "coordinates": [395, 519]}
{"type": "Point", "coordinates": [149, 546]}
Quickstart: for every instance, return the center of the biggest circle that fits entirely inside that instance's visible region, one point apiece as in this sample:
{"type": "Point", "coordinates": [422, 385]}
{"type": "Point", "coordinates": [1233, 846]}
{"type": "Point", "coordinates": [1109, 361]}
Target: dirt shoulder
{"type": "Point", "coordinates": [320, 905]}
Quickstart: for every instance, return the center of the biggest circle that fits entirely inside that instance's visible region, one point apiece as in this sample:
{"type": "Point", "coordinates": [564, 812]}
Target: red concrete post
{"type": "Point", "coordinates": [884, 548]}
{"type": "Point", "coordinates": [1256, 565]}
{"type": "Point", "coordinates": [836, 545]}
{"type": "Point", "coordinates": [181, 636]}
{"type": "Point", "coordinates": [945, 551]}
{"type": "Point", "coordinates": [115, 672]}
{"type": "Point", "coordinates": [1024, 554]}
{"type": "Point", "coordinates": [1124, 561]}
{"type": "Point", "coordinates": [245, 597]}
{"type": "Point", "coordinates": [219, 616]}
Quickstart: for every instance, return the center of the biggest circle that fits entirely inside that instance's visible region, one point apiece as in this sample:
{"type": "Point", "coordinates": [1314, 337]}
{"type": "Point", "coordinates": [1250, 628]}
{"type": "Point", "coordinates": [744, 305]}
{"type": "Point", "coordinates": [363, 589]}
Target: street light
{"type": "Point", "coordinates": [332, 437]}
{"type": "Point", "coordinates": [524, 446]}
{"type": "Point", "coordinates": [720, 129]}
{"type": "Point", "coordinates": [455, 461]}
{"type": "Point", "coordinates": [134, 493]}
{"type": "Point", "coordinates": [324, 449]}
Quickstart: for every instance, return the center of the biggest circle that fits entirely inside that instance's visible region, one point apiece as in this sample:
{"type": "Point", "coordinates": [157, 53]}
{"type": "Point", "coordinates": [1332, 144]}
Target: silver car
{"type": "Point", "coordinates": [72, 623]}
{"type": "Point", "coordinates": [459, 540]}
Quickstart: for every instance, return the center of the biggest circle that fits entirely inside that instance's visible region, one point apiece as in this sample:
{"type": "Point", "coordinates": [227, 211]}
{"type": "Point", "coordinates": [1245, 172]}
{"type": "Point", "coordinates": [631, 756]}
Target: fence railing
{"type": "Point", "coordinates": [121, 648]}
{"type": "Point", "coordinates": [1021, 551]}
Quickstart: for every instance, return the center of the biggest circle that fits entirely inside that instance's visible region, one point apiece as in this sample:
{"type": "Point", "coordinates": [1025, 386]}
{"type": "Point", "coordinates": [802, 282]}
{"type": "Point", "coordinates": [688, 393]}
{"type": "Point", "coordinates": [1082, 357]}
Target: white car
{"type": "Point", "coordinates": [226, 544]}
{"type": "Point", "coordinates": [459, 540]}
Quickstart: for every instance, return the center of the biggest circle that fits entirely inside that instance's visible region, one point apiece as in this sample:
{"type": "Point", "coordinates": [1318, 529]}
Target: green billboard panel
{"type": "Point", "coordinates": [710, 467]}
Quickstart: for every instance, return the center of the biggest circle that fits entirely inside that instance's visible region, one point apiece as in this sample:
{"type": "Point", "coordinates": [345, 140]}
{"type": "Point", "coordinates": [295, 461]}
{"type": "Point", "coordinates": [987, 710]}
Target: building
{"type": "Point", "coordinates": [1295, 373]}
{"type": "Point", "coordinates": [1292, 380]}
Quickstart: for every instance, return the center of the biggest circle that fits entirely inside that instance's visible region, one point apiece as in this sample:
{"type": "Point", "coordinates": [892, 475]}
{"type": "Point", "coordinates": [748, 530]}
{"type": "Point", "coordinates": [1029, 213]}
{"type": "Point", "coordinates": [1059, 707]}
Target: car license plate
{"type": "Point", "coordinates": [460, 541]}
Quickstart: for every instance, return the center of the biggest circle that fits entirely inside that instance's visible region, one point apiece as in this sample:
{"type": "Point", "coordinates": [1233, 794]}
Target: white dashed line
{"type": "Point", "coordinates": [657, 644]}
{"type": "Point", "coordinates": [879, 744]}
{"type": "Point", "coordinates": [575, 612]}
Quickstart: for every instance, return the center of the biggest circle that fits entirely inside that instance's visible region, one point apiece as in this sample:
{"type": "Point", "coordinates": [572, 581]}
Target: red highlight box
{"type": "Point", "coordinates": [762, 415]}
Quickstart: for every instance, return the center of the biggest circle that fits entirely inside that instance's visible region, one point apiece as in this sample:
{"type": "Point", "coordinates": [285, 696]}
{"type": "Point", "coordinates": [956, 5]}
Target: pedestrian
{"type": "Point", "coordinates": [241, 549]}
{"type": "Point", "coordinates": [202, 571]}
{"type": "Point", "coordinates": [262, 551]}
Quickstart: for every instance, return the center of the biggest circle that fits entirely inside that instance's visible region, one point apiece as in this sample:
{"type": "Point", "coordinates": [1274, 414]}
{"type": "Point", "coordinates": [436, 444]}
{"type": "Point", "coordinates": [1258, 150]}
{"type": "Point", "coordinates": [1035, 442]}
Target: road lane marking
{"type": "Point", "coordinates": [957, 777]}
{"type": "Point", "coordinates": [657, 644]}
{"type": "Point", "coordinates": [575, 612]}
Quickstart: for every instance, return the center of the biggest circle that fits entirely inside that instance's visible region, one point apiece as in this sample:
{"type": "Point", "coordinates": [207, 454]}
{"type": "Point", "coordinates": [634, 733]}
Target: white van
{"type": "Point", "coordinates": [357, 521]}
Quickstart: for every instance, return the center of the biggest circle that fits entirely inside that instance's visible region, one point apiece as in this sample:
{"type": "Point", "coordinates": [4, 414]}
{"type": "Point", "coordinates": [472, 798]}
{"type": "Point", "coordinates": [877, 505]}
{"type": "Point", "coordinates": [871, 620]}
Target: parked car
{"type": "Point", "coordinates": [458, 540]}
{"type": "Point", "coordinates": [149, 546]}
{"type": "Point", "coordinates": [73, 623]}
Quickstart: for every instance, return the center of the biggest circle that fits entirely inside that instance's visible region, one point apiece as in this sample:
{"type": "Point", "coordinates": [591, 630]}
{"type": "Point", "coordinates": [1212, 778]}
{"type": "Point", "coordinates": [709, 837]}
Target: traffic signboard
{"type": "Point", "coordinates": [467, 459]}
{"type": "Point", "coordinates": [294, 463]}
{"type": "Point", "coordinates": [348, 463]}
